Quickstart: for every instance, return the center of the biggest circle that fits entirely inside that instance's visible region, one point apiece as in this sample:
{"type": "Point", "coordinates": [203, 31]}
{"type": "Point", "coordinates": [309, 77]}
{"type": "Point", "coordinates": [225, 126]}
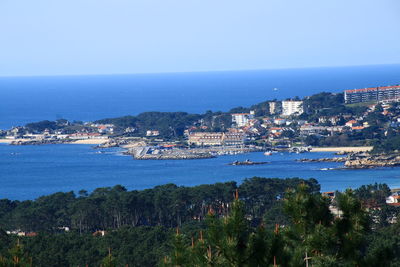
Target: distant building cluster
{"type": "Point", "coordinates": [216, 139]}
{"type": "Point", "coordinates": [374, 94]}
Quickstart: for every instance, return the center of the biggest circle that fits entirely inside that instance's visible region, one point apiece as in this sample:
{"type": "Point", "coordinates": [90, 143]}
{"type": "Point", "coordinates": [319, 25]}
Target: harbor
{"type": "Point", "coordinates": [31, 171]}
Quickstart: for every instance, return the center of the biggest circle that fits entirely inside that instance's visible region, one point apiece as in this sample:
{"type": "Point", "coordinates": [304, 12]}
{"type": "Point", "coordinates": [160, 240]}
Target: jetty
{"type": "Point", "coordinates": [247, 162]}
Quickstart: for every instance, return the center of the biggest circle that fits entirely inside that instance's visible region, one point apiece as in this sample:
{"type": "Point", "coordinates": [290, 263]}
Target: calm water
{"type": "Point", "coordinates": [30, 171]}
{"type": "Point", "coordinates": [94, 97]}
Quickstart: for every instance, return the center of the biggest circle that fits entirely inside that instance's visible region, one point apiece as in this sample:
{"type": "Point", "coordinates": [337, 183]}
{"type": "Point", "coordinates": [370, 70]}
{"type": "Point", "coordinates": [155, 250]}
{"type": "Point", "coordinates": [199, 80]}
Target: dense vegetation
{"type": "Point", "coordinates": [169, 124]}
{"type": "Point", "coordinates": [166, 205]}
{"type": "Point", "coordinates": [140, 226]}
{"type": "Point", "coordinates": [313, 237]}
{"type": "Point", "coordinates": [391, 144]}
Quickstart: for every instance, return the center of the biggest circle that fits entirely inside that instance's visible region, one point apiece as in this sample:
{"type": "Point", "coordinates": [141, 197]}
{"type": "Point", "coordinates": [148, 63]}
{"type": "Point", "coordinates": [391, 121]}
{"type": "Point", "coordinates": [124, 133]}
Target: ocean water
{"type": "Point", "coordinates": [88, 98]}
{"type": "Point", "coordinates": [28, 172]}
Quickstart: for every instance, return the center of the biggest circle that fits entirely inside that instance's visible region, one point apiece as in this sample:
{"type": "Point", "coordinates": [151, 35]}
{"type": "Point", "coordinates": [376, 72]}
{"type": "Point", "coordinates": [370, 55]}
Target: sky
{"type": "Point", "coordinates": [79, 37]}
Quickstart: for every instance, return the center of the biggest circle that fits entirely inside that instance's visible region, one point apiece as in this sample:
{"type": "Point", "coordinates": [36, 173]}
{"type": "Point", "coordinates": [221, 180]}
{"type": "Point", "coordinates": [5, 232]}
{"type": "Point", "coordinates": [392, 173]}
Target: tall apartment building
{"type": "Point", "coordinates": [242, 119]}
{"type": "Point", "coordinates": [373, 94]}
{"type": "Point", "coordinates": [274, 108]}
{"type": "Point", "coordinates": [292, 107]}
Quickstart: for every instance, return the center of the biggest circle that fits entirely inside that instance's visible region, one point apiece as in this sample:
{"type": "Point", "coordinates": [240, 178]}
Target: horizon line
{"type": "Point", "coordinates": [194, 72]}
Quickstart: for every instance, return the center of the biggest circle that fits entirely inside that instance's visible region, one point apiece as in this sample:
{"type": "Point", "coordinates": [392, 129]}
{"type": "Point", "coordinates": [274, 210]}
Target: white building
{"type": "Point", "coordinates": [274, 108]}
{"type": "Point", "coordinates": [152, 133]}
{"type": "Point", "coordinates": [242, 119]}
{"type": "Point", "coordinates": [216, 138]}
{"type": "Point", "coordinates": [292, 107]}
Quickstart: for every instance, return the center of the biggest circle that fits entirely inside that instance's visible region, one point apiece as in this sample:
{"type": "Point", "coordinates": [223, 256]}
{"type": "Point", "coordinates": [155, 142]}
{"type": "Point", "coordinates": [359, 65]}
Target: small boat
{"type": "Point", "coordinates": [268, 153]}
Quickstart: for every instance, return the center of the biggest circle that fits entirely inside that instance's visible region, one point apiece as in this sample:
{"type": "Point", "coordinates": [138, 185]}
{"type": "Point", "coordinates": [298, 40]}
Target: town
{"type": "Point", "coordinates": [359, 117]}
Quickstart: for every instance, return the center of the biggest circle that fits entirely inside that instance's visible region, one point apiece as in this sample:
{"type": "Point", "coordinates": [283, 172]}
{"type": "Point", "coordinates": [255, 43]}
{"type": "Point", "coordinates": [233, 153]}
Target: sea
{"type": "Point", "coordinates": [28, 172]}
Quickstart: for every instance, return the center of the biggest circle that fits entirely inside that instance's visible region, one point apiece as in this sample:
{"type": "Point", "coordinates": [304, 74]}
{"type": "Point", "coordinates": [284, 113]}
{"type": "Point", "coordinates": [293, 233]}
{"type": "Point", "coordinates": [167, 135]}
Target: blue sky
{"type": "Point", "coordinates": [48, 37]}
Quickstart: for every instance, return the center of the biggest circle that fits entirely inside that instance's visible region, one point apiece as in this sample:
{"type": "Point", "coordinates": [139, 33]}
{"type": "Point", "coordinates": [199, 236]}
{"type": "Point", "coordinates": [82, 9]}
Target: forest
{"type": "Point", "coordinates": [260, 222]}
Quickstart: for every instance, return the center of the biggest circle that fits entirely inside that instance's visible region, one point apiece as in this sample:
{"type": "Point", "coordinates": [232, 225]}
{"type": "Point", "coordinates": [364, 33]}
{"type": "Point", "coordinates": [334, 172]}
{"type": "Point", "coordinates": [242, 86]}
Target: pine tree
{"type": "Point", "coordinates": [352, 227]}
{"type": "Point", "coordinates": [17, 257]}
{"type": "Point", "coordinates": [109, 260]}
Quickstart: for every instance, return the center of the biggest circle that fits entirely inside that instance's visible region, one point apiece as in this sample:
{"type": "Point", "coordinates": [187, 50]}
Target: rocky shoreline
{"type": "Point", "coordinates": [373, 161]}
{"type": "Point", "coordinates": [341, 159]}
{"type": "Point", "coordinates": [41, 142]}
{"type": "Point", "coordinates": [362, 160]}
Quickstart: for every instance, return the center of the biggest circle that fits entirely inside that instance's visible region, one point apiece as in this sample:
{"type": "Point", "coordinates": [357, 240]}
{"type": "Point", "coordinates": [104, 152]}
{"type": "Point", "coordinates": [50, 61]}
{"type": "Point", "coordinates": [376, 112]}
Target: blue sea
{"type": "Point", "coordinates": [88, 98]}
{"type": "Point", "coordinates": [28, 172]}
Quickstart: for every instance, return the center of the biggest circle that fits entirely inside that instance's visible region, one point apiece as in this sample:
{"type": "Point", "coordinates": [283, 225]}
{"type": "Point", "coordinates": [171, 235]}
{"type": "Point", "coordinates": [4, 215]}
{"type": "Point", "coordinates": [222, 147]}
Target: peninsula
{"type": "Point", "coordinates": [352, 121]}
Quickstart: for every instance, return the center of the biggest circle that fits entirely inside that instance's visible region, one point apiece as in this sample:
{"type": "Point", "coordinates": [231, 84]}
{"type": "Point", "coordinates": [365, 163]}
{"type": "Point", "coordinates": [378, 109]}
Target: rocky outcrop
{"type": "Point", "coordinates": [362, 160]}
{"type": "Point", "coordinates": [247, 162]}
{"type": "Point", "coordinates": [341, 159]}
{"type": "Point", "coordinates": [40, 142]}
{"type": "Point", "coordinates": [374, 161]}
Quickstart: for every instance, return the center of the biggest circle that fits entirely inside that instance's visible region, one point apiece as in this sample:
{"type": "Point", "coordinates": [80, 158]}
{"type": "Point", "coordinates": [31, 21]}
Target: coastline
{"type": "Point", "coordinates": [77, 142]}
{"type": "Point", "coordinates": [342, 148]}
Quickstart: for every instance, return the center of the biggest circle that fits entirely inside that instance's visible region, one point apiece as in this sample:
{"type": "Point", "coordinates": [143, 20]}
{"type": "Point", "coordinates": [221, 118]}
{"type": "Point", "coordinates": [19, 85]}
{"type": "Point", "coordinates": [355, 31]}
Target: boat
{"type": "Point", "coordinates": [268, 153]}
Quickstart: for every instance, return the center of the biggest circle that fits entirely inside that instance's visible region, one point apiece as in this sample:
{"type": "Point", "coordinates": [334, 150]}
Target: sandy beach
{"type": "Point", "coordinates": [342, 148]}
{"type": "Point", "coordinates": [90, 141]}
{"type": "Point", "coordinates": [78, 142]}
{"type": "Point", "coordinates": [7, 141]}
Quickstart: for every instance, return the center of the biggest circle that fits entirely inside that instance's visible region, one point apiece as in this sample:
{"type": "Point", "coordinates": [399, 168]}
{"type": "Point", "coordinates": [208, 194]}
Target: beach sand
{"type": "Point", "coordinates": [342, 148]}
{"type": "Point", "coordinates": [90, 141]}
{"type": "Point", "coordinates": [7, 141]}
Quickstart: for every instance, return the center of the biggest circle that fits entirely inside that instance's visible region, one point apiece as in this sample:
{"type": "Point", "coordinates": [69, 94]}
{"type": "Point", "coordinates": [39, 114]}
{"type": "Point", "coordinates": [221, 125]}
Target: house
{"type": "Point", "coordinates": [279, 121]}
{"type": "Point", "coordinates": [324, 119]}
{"type": "Point", "coordinates": [308, 129]}
{"type": "Point", "coordinates": [152, 133]}
{"type": "Point", "coordinates": [330, 194]}
{"type": "Point", "coordinates": [393, 199]}
{"type": "Point", "coordinates": [275, 130]}
{"type": "Point", "coordinates": [351, 123]}
{"type": "Point", "coordinates": [99, 233]}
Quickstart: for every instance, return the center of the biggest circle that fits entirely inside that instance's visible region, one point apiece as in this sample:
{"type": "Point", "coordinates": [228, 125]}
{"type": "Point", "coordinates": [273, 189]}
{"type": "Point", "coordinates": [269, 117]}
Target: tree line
{"type": "Point", "coordinates": [261, 222]}
{"type": "Point", "coordinates": [166, 205]}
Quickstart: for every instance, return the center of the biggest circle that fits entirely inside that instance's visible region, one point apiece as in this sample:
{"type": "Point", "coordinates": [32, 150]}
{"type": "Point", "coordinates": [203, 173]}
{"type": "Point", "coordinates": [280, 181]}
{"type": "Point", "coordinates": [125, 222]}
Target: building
{"type": "Point", "coordinates": [312, 129]}
{"type": "Point", "coordinates": [279, 121]}
{"type": "Point", "coordinates": [216, 139]}
{"type": "Point", "coordinates": [373, 94]}
{"type": "Point", "coordinates": [274, 108]}
{"type": "Point", "coordinates": [292, 107]}
{"type": "Point", "coordinates": [242, 119]}
{"type": "Point", "coordinates": [152, 133]}
{"type": "Point", "coordinates": [352, 123]}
